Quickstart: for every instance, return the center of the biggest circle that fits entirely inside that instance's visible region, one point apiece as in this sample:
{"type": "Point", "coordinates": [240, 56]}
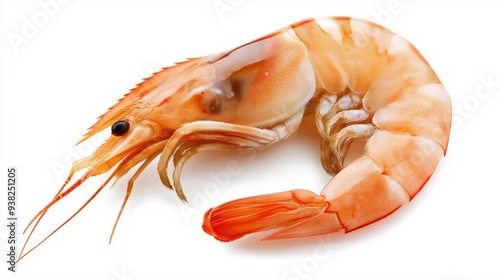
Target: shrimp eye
{"type": "Point", "coordinates": [120, 127]}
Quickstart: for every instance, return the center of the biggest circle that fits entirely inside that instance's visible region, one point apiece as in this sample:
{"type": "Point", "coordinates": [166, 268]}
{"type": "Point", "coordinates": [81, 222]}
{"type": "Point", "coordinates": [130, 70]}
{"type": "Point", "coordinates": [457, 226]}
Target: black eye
{"type": "Point", "coordinates": [119, 128]}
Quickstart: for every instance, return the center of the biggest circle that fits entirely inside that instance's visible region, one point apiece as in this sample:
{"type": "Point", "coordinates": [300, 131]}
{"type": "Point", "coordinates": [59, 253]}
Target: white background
{"type": "Point", "coordinates": [87, 54]}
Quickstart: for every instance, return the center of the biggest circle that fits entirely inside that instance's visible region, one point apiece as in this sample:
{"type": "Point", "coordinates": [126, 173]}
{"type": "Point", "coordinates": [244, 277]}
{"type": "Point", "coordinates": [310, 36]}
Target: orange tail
{"type": "Point", "coordinates": [300, 212]}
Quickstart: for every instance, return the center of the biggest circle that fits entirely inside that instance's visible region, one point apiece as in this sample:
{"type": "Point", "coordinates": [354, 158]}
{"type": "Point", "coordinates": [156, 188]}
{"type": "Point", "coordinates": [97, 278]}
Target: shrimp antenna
{"type": "Point", "coordinates": [122, 167]}
{"type": "Point", "coordinates": [42, 212]}
{"type": "Point", "coordinates": [59, 197]}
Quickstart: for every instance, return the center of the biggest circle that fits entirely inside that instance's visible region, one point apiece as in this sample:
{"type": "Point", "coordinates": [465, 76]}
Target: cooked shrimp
{"type": "Point", "coordinates": [361, 81]}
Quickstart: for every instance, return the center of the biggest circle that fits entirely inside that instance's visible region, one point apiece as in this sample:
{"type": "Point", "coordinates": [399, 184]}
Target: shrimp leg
{"type": "Point", "coordinates": [240, 136]}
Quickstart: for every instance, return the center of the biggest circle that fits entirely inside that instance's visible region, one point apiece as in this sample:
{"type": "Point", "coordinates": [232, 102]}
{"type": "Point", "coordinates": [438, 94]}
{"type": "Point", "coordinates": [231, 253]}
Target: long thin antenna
{"type": "Point", "coordinates": [75, 185]}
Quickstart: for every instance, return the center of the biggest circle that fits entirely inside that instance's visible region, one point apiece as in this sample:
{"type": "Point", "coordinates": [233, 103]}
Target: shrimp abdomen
{"type": "Point", "coordinates": [371, 85]}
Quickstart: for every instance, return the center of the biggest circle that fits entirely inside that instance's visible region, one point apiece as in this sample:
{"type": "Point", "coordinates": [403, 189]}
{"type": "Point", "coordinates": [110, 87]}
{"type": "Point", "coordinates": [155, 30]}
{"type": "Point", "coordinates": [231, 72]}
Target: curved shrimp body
{"type": "Point", "coordinates": [370, 84]}
{"type": "Point", "coordinates": [359, 79]}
